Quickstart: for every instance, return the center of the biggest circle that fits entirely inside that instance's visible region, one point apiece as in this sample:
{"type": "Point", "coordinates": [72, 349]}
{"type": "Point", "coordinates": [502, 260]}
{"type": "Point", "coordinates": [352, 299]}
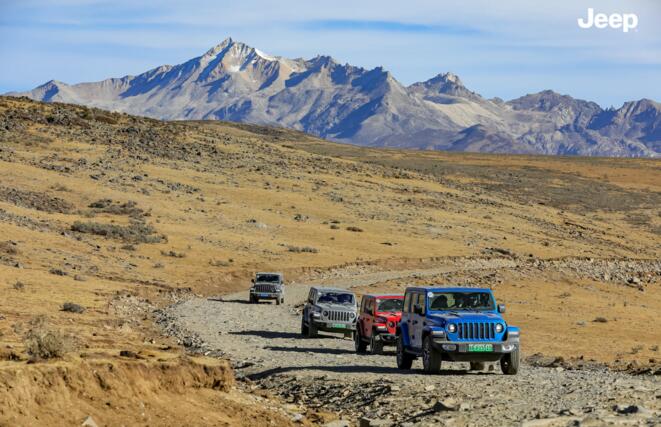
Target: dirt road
{"type": "Point", "coordinates": [265, 344]}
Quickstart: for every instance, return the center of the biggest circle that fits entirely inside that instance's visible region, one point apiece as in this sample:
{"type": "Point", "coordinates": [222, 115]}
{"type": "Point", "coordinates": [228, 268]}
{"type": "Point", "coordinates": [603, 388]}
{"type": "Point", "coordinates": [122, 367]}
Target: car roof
{"type": "Point", "coordinates": [325, 289]}
{"type": "Point", "coordinates": [384, 295]}
{"type": "Point", "coordinates": [447, 289]}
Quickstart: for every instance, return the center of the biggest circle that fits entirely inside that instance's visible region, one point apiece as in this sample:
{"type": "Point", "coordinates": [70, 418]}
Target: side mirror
{"type": "Point", "coordinates": [501, 308]}
{"type": "Point", "coordinates": [252, 280]}
{"type": "Point", "coordinates": [417, 309]}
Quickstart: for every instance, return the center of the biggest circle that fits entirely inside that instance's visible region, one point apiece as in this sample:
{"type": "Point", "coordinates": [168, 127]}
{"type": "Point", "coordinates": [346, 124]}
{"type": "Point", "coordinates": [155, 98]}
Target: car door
{"type": "Point", "coordinates": [308, 305]}
{"type": "Point", "coordinates": [369, 318]}
{"type": "Point", "coordinates": [361, 315]}
{"type": "Point", "coordinates": [417, 320]}
{"type": "Point", "coordinates": [412, 319]}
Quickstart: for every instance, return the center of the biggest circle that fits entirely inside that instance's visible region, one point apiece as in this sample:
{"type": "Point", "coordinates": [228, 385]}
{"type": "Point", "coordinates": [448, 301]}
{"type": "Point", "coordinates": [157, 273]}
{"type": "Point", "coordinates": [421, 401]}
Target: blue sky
{"type": "Point", "coordinates": [505, 49]}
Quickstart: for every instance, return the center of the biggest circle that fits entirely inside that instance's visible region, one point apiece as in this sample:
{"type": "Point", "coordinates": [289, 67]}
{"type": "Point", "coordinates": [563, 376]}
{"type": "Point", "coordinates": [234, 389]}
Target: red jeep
{"type": "Point", "coordinates": [377, 322]}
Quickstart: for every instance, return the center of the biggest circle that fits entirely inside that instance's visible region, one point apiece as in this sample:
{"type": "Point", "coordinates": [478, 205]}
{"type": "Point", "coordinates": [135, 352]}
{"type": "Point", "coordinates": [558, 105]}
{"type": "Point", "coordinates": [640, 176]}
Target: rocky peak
{"type": "Point", "coordinates": [444, 84]}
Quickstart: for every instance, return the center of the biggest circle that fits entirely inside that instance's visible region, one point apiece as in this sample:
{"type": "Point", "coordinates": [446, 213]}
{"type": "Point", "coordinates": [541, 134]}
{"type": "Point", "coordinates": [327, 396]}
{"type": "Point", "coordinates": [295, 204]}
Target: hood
{"type": "Point", "coordinates": [390, 315]}
{"type": "Point", "coordinates": [466, 317]}
{"type": "Point", "coordinates": [337, 307]}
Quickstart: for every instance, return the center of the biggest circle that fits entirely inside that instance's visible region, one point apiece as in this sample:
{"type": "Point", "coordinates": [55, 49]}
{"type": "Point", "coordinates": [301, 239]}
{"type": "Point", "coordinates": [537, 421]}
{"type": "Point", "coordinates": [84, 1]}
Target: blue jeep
{"type": "Point", "coordinates": [455, 324]}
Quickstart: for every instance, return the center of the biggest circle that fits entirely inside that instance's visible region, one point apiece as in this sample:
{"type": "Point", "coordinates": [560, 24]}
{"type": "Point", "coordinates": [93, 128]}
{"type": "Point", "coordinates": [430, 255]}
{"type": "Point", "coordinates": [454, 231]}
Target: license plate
{"type": "Point", "coordinates": [338, 325]}
{"type": "Point", "coordinates": [263, 295]}
{"type": "Point", "coordinates": [480, 348]}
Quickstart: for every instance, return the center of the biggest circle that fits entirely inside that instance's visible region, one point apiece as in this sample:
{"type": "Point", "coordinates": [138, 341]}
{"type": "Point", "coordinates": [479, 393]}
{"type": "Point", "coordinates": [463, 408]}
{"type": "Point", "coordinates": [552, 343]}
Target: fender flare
{"type": "Point", "coordinates": [401, 332]}
{"type": "Point", "coordinates": [516, 332]}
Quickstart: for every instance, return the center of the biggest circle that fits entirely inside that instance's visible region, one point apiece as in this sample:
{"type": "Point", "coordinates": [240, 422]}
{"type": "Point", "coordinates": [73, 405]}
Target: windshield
{"type": "Point", "coordinates": [270, 278]}
{"type": "Point", "coordinates": [457, 301]}
{"type": "Point", "coordinates": [335, 298]}
{"type": "Point", "coordinates": [390, 304]}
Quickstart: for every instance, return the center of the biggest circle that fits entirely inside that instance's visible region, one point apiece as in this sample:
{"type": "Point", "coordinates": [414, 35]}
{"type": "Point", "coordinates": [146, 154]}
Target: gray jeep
{"type": "Point", "coordinates": [329, 310]}
{"type": "Point", "coordinates": [268, 286]}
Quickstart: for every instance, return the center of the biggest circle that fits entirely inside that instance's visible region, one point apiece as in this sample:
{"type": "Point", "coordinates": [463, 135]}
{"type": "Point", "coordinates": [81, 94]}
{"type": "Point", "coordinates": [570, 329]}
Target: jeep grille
{"type": "Point", "coordinates": [476, 330]}
{"type": "Point", "coordinates": [339, 316]}
{"type": "Point", "coordinates": [266, 288]}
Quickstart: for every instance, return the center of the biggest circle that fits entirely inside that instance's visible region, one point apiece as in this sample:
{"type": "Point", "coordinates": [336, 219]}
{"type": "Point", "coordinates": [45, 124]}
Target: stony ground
{"type": "Point", "coordinates": [266, 348]}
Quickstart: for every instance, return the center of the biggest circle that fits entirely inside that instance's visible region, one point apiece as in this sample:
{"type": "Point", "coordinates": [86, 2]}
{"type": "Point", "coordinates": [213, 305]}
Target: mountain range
{"type": "Point", "coordinates": [236, 82]}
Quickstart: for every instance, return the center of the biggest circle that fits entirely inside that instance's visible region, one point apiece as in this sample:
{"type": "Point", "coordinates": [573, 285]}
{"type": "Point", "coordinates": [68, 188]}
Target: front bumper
{"type": "Point", "coordinates": [462, 352]}
{"type": "Point", "coordinates": [328, 326]}
{"type": "Point", "coordinates": [386, 338]}
{"type": "Point", "coordinates": [266, 295]}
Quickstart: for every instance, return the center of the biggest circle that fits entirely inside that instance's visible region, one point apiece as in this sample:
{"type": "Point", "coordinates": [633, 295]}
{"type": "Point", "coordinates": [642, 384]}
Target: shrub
{"type": "Point", "coordinates": [355, 229]}
{"type": "Point", "coordinates": [306, 249]}
{"type": "Point", "coordinates": [136, 232]}
{"type": "Point", "coordinates": [43, 342]}
{"type": "Point", "coordinates": [173, 254]}
{"type": "Point", "coordinates": [115, 208]}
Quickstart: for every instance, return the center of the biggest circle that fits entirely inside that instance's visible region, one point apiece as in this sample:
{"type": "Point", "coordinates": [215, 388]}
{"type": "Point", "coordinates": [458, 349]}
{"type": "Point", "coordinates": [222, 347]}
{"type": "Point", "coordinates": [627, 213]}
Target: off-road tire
{"type": "Point", "coordinates": [359, 344]}
{"type": "Point", "coordinates": [304, 328]}
{"type": "Point", "coordinates": [312, 331]}
{"type": "Point", "coordinates": [477, 366]}
{"type": "Point", "coordinates": [251, 299]}
{"type": "Point", "coordinates": [431, 359]}
{"type": "Point", "coordinates": [376, 346]}
{"type": "Point", "coordinates": [282, 300]}
{"type": "Point", "coordinates": [277, 301]}
{"type": "Point", "coordinates": [509, 363]}
{"type": "Point", "coordinates": [404, 359]}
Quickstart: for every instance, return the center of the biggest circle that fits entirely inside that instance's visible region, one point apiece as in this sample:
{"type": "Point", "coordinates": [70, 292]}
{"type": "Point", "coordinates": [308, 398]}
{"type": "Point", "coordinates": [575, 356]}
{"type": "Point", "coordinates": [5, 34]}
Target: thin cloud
{"type": "Point", "coordinates": [388, 26]}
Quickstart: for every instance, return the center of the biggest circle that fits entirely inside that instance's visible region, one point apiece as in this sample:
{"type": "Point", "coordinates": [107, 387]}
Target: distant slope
{"type": "Point", "coordinates": [235, 82]}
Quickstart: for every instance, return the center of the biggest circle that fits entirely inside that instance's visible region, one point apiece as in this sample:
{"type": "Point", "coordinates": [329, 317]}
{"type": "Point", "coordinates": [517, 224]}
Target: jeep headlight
{"type": "Point", "coordinates": [499, 328]}
{"type": "Point", "coordinates": [452, 328]}
{"type": "Point", "coordinates": [325, 313]}
{"type": "Point", "coordinates": [352, 315]}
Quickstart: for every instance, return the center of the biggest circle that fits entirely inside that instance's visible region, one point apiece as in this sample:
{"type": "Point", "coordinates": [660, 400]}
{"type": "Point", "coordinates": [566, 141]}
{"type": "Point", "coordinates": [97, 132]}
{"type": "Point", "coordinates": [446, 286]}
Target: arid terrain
{"type": "Point", "coordinates": [127, 242]}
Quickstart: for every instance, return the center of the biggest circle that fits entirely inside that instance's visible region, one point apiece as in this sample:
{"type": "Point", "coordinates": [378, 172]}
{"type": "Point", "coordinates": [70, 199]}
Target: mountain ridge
{"type": "Point", "coordinates": [346, 103]}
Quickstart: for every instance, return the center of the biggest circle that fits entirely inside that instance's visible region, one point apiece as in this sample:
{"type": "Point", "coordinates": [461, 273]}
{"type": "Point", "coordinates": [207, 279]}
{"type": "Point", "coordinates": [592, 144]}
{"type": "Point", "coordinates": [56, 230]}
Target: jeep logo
{"type": "Point", "coordinates": [626, 21]}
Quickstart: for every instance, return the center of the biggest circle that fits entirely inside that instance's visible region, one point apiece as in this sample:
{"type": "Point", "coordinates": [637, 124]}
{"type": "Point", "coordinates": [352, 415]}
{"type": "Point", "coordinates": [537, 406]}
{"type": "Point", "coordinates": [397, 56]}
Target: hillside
{"type": "Point", "coordinates": [126, 215]}
{"type": "Point", "coordinates": [346, 103]}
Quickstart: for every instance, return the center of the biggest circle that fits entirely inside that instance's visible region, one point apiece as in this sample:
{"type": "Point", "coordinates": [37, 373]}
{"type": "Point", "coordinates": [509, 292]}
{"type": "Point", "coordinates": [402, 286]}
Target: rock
{"type": "Point", "coordinates": [73, 307]}
{"type": "Point", "coordinates": [543, 361]}
{"type": "Point", "coordinates": [79, 278]}
{"type": "Point", "coordinates": [367, 422]}
{"type": "Point", "coordinates": [130, 354]}
{"type": "Point", "coordinates": [338, 423]}
{"type": "Point", "coordinates": [626, 409]}
{"type": "Point", "coordinates": [89, 422]}
{"type": "Point", "coordinates": [600, 320]}
{"type": "Point", "coordinates": [449, 404]}
{"type": "Point", "coordinates": [430, 387]}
